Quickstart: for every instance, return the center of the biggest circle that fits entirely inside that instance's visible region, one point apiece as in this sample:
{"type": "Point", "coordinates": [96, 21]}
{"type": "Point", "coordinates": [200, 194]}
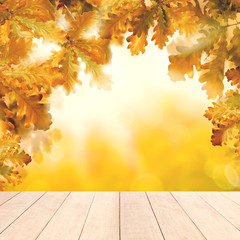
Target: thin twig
{"type": "Point", "coordinates": [69, 12]}
{"type": "Point", "coordinates": [230, 25]}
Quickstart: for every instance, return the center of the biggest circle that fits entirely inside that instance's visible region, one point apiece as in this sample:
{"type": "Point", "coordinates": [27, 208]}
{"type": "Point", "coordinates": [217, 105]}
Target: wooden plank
{"type": "Point", "coordinates": [209, 221]}
{"type": "Point", "coordinates": [5, 196]}
{"type": "Point", "coordinates": [229, 209]}
{"type": "Point", "coordinates": [30, 223]}
{"type": "Point", "coordinates": [68, 222]}
{"type": "Point", "coordinates": [234, 196]}
{"type": "Point", "coordinates": [174, 222]}
{"type": "Point", "coordinates": [13, 208]}
{"type": "Point", "coordinates": [137, 218]}
{"type": "Point", "coordinates": [103, 219]}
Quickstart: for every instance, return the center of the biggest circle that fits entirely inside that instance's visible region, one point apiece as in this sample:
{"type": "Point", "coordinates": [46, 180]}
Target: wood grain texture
{"type": "Point", "coordinates": [13, 208]}
{"type": "Point", "coordinates": [209, 221]}
{"type": "Point", "coordinates": [5, 196]}
{"type": "Point", "coordinates": [234, 196]}
{"type": "Point", "coordinates": [119, 216]}
{"type": "Point", "coordinates": [32, 221]}
{"type": "Point", "coordinates": [103, 218]}
{"type": "Point", "coordinates": [137, 219]}
{"type": "Point", "coordinates": [229, 209]}
{"type": "Point", "coordinates": [68, 222]}
{"type": "Point", "coordinates": [174, 222]}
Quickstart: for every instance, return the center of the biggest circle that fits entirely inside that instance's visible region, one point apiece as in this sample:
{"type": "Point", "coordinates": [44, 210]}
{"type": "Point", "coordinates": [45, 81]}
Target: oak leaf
{"type": "Point", "coordinates": [43, 76]}
{"type": "Point", "coordinates": [183, 17]}
{"type": "Point", "coordinates": [97, 49]}
{"type": "Point", "coordinates": [41, 10]}
{"type": "Point", "coordinates": [31, 106]}
{"type": "Point", "coordinates": [69, 68]}
{"type": "Point", "coordinates": [163, 29]}
{"type": "Point", "coordinates": [12, 158]}
{"type": "Point", "coordinates": [184, 62]}
{"type": "Point", "coordinates": [98, 77]}
{"type": "Point", "coordinates": [4, 33]}
{"type": "Point", "coordinates": [14, 51]}
{"type": "Point", "coordinates": [233, 76]}
{"type": "Point", "coordinates": [188, 57]}
{"type": "Point", "coordinates": [81, 24]}
{"type": "Point", "coordinates": [118, 21]}
{"type": "Point", "coordinates": [234, 52]}
{"type": "Point", "coordinates": [214, 76]}
{"type": "Point", "coordinates": [47, 29]}
{"type": "Point", "coordinates": [137, 43]}
{"type": "Point", "coordinates": [224, 116]}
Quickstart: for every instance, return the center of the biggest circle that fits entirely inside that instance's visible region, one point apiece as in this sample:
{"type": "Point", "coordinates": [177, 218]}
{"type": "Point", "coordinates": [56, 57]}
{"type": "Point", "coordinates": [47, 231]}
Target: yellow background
{"type": "Point", "coordinates": [147, 133]}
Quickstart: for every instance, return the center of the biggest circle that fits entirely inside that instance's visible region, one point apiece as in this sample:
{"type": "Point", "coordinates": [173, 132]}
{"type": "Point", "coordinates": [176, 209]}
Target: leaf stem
{"type": "Point", "coordinates": [230, 25]}
{"type": "Point", "coordinates": [69, 12]}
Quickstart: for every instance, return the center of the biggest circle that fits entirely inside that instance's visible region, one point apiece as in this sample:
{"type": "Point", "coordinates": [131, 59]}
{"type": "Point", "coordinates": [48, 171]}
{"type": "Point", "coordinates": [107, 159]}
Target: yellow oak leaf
{"type": "Point", "coordinates": [81, 24]}
{"type": "Point", "coordinates": [97, 49]}
{"type": "Point", "coordinates": [161, 36]}
{"type": "Point", "coordinates": [43, 76]}
{"type": "Point", "coordinates": [101, 79]}
{"type": "Point", "coordinates": [5, 115]}
{"type": "Point", "coordinates": [69, 68]}
{"type": "Point", "coordinates": [95, 3]}
{"type": "Point", "coordinates": [140, 26]}
{"type": "Point", "coordinates": [32, 18]}
{"type": "Point", "coordinates": [4, 33]}
{"type": "Point", "coordinates": [118, 41]}
{"type": "Point", "coordinates": [188, 57]}
{"type": "Point", "coordinates": [137, 44]}
{"type": "Point", "coordinates": [214, 76]}
{"type": "Point", "coordinates": [3, 89]}
{"type": "Point", "coordinates": [12, 4]}
{"type": "Point", "coordinates": [41, 10]}
{"type": "Point", "coordinates": [14, 51]}
{"type": "Point", "coordinates": [118, 20]}
{"type": "Point", "coordinates": [48, 30]}
{"type": "Point", "coordinates": [18, 30]}
{"type": "Point", "coordinates": [234, 52]}
{"type": "Point", "coordinates": [35, 112]}
{"type": "Point", "coordinates": [184, 18]}
{"type": "Point", "coordinates": [12, 157]}
{"type": "Point", "coordinates": [144, 19]}
{"type": "Point", "coordinates": [43, 141]}
{"type": "Point", "coordinates": [31, 105]}
{"type": "Point", "coordinates": [4, 14]}
{"type": "Point", "coordinates": [98, 77]}
{"type": "Point", "coordinates": [183, 63]}
{"type": "Point", "coordinates": [163, 30]}
{"type": "Point", "coordinates": [225, 118]}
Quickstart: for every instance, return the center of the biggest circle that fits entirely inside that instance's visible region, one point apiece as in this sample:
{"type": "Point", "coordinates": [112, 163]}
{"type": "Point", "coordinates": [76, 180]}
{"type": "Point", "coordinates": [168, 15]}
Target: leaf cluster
{"type": "Point", "coordinates": [25, 87]}
{"type": "Point", "coordinates": [211, 34]}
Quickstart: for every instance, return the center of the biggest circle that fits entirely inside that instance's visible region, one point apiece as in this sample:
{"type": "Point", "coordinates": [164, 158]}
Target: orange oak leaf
{"type": "Point", "coordinates": [233, 76]}
{"type": "Point", "coordinates": [81, 24]}
{"type": "Point", "coordinates": [137, 44]}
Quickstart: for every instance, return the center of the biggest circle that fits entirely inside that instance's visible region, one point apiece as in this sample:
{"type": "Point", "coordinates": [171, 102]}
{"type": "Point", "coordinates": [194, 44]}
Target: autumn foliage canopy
{"type": "Point", "coordinates": [208, 45]}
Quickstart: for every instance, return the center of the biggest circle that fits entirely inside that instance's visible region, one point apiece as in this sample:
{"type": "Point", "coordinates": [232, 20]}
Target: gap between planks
{"type": "Point", "coordinates": [119, 215]}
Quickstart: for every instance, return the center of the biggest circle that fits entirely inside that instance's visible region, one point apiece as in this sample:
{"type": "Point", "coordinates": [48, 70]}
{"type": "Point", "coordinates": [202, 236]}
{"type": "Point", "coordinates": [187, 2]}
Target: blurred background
{"type": "Point", "coordinates": [147, 133]}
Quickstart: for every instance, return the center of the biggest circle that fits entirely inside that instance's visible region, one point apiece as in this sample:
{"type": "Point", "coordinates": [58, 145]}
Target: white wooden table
{"type": "Point", "coordinates": [120, 216]}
